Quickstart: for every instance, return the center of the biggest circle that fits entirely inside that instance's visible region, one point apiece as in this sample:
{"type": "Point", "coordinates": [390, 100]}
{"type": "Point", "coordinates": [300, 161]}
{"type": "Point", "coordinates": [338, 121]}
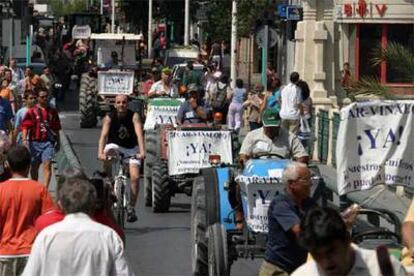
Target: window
{"type": "Point", "coordinates": [404, 35]}
{"type": "Point", "coordinates": [372, 36]}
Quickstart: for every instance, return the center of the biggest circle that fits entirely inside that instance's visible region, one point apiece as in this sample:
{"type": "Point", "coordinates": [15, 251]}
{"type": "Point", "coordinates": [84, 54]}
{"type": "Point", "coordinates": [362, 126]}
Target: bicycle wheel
{"type": "Point", "coordinates": [118, 205]}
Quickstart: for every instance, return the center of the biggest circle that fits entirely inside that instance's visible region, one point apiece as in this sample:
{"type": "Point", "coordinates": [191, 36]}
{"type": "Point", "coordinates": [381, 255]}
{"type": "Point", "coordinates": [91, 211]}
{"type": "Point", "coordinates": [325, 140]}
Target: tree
{"type": "Point", "coordinates": [73, 6]}
{"type": "Point", "coordinates": [401, 58]}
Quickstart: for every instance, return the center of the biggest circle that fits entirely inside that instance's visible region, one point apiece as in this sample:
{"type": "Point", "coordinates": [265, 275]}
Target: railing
{"type": "Point", "coordinates": [323, 135]}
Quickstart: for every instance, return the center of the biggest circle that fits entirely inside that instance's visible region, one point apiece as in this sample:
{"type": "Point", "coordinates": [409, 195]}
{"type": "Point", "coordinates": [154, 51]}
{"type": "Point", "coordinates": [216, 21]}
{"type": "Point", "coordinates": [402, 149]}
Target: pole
{"type": "Point", "coordinates": [233, 44]}
{"type": "Point", "coordinates": [149, 28]}
{"type": "Point", "coordinates": [113, 16]}
{"type": "Point", "coordinates": [264, 56]}
{"type": "Point", "coordinates": [101, 8]}
{"type": "Point", "coordinates": [186, 22]}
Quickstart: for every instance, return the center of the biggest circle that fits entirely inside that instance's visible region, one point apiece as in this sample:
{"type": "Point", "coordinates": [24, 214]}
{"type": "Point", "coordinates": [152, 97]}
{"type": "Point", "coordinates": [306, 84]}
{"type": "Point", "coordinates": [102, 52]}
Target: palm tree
{"type": "Point", "coordinates": [401, 58]}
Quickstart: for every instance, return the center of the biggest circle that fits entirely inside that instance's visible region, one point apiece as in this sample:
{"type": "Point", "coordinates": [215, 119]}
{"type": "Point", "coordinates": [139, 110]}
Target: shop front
{"type": "Point", "coordinates": [366, 25]}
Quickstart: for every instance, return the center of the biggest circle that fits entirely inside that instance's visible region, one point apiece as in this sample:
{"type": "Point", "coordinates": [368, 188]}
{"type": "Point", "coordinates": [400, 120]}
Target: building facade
{"type": "Point", "coordinates": [335, 32]}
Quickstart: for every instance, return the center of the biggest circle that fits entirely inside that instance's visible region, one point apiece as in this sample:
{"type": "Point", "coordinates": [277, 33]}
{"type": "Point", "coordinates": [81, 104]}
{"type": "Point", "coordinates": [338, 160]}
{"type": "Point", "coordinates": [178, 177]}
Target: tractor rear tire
{"type": "Point", "coordinates": [151, 146]}
{"type": "Point", "coordinates": [88, 101]}
{"type": "Point", "coordinates": [199, 247]}
{"type": "Point", "coordinates": [218, 264]}
{"type": "Point", "coordinates": [161, 197]}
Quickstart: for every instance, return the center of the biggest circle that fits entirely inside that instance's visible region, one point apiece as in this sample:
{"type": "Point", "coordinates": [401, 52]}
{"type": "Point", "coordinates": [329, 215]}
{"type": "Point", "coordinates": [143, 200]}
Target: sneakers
{"type": "Point", "coordinates": [131, 216]}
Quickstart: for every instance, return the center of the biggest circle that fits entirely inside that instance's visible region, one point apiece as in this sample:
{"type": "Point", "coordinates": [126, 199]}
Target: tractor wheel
{"type": "Point", "coordinates": [199, 258]}
{"type": "Point", "coordinates": [161, 197]}
{"type": "Point", "coordinates": [218, 264]}
{"type": "Point", "coordinates": [88, 101]}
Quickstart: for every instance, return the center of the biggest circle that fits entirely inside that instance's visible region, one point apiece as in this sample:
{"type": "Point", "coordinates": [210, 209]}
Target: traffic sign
{"type": "Point", "coordinates": [272, 36]}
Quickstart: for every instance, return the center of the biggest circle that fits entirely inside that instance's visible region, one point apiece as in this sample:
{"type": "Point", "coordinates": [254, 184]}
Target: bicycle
{"type": "Point", "coordinates": [120, 187]}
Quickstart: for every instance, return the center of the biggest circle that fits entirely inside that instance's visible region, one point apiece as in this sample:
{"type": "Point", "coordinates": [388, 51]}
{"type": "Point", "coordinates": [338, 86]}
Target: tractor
{"type": "Point", "coordinates": [215, 240]}
{"type": "Point", "coordinates": [160, 111]}
{"type": "Point", "coordinates": [101, 84]}
{"type": "Point", "coordinates": [184, 150]}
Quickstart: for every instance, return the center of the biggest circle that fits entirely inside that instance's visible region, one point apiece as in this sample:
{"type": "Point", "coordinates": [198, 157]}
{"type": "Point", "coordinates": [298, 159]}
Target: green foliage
{"type": "Point", "coordinates": [219, 17]}
{"type": "Point", "coordinates": [73, 6]}
{"type": "Point", "coordinates": [368, 87]}
{"type": "Point", "coordinates": [399, 57]}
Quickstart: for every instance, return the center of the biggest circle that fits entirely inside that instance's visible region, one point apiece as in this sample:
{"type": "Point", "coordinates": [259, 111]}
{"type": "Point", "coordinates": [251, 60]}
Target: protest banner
{"type": "Point", "coordinates": [189, 151]}
{"type": "Point", "coordinates": [374, 145]}
{"type": "Point", "coordinates": [161, 112]}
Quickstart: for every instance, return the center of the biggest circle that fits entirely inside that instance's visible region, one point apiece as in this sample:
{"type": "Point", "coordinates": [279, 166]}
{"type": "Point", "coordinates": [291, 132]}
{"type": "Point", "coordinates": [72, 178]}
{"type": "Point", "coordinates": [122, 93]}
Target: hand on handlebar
{"type": "Point", "coordinates": [102, 156]}
{"type": "Point", "coordinates": [140, 156]}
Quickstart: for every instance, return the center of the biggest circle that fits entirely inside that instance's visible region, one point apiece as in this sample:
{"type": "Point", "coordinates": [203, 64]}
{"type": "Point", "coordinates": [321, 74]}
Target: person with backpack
{"type": "Point", "coordinates": [219, 96]}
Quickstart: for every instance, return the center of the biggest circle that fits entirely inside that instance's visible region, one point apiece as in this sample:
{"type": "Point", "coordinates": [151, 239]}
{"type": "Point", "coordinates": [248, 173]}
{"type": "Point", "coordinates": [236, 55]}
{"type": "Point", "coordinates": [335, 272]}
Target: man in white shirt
{"type": "Point", "coordinates": [77, 245]}
{"type": "Point", "coordinates": [324, 234]}
{"type": "Point", "coordinates": [291, 99]}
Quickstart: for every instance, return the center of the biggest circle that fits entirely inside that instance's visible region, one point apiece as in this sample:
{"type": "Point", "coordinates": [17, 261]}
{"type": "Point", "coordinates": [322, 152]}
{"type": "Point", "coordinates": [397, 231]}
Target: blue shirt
{"type": "Point", "coordinates": [273, 101]}
{"type": "Point", "coordinates": [5, 113]}
{"type": "Point", "coordinates": [186, 114]}
{"type": "Point", "coordinates": [18, 121]}
{"type": "Point", "coordinates": [239, 95]}
{"type": "Point", "coordinates": [282, 248]}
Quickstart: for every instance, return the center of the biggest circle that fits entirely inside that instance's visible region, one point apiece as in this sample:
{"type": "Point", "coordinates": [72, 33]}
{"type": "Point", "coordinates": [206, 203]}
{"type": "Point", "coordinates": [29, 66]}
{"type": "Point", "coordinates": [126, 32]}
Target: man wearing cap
{"type": "Point", "coordinates": [162, 87]}
{"type": "Point", "coordinates": [272, 139]}
{"type": "Point", "coordinates": [192, 110]}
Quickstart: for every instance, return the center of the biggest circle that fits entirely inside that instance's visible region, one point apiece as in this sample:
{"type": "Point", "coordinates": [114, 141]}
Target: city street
{"type": "Point", "coordinates": [157, 244]}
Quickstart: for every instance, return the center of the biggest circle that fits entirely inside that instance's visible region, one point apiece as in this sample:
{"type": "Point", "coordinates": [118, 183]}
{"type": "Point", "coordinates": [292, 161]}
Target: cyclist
{"type": "Point", "coordinates": [122, 130]}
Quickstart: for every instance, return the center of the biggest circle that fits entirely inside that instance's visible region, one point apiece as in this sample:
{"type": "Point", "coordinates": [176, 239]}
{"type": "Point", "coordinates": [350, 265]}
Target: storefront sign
{"type": "Point", "coordinates": [360, 9]}
{"type": "Point", "coordinates": [374, 145]}
{"type": "Point", "coordinates": [189, 151]}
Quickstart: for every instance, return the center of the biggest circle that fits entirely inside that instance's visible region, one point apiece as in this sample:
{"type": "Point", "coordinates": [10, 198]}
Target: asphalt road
{"type": "Point", "coordinates": [157, 244]}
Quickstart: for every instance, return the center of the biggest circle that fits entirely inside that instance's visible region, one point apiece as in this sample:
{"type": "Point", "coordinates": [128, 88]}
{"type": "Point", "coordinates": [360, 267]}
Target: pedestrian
{"type": "Point", "coordinates": [236, 106]}
{"type": "Point", "coordinates": [102, 213]}
{"type": "Point", "coordinates": [219, 96]}
{"type": "Point", "coordinates": [325, 235]}
{"type": "Point", "coordinates": [305, 131]}
{"type": "Point", "coordinates": [215, 53]}
{"type": "Point", "coordinates": [6, 114]}
{"type": "Point", "coordinates": [192, 77]}
{"type": "Point", "coordinates": [5, 144]}
{"type": "Point", "coordinates": [283, 252]}
{"type": "Point", "coordinates": [21, 201]}
{"type": "Point", "coordinates": [407, 233]}
{"type": "Point", "coordinates": [17, 72]}
{"type": "Point", "coordinates": [40, 134]}
{"type": "Point", "coordinates": [77, 245]}
{"type": "Point", "coordinates": [346, 80]}
{"type": "Point", "coordinates": [47, 78]}
{"type": "Point", "coordinates": [253, 106]}
{"type": "Point", "coordinates": [29, 101]}
{"type": "Point", "coordinates": [291, 108]}
{"type": "Point", "coordinates": [272, 99]}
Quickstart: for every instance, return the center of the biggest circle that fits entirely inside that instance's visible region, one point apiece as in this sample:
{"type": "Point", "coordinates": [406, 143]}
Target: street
{"type": "Point", "coordinates": [157, 244]}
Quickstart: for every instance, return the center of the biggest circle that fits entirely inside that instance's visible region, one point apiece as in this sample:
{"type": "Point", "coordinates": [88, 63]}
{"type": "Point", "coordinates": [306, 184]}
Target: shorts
{"type": "Point", "coordinates": [125, 152]}
{"type": "Point", "coordinates": [269, 269]}
{"type": "Point", "coordinates": [41, 151]}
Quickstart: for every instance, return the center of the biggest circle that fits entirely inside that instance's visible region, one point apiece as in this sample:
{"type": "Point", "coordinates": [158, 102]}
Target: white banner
{"type": "Point", "coordinates": [374, 145]}
{"type": "Point", "coordinates": [188, 151]}
{"type": "Point", "coordinates": [116, 82]}
{"type": "Point", "coordinates": [256, 198]}
{"type": "Point", "coordinates": [161, 115]}
{"type": "Point", "coordinates": [81, 32]}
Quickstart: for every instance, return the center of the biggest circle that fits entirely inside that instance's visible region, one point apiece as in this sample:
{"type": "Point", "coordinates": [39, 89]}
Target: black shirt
{"type": "Point", "coordinates": [282, 248]}
{"type": "Point", "coordinates": [122, 131]}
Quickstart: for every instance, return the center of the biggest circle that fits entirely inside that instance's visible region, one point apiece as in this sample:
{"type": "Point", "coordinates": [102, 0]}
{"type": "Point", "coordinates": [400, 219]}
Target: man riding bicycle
{"type": "Point", "coordinates": [122, 130]}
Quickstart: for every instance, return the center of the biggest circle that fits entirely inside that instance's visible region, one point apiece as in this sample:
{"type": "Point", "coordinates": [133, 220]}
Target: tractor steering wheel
{"type": "Point", "coordinates": [377, 233]}
{"type": "Point", "coordinates": [267, 154]}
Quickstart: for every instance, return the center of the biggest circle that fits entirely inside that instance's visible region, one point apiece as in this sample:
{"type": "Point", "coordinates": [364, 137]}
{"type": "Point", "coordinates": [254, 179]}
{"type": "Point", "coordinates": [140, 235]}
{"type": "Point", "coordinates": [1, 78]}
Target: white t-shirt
{"type": "Point", "coordinates": [366, 264]}
{"type": "Point", "coordinates": [291, 97]}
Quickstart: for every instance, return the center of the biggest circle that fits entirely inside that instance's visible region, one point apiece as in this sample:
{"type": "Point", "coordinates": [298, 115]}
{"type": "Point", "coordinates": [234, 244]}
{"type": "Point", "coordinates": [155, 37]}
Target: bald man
{"type": "Point", "coordinates": [122, 132]}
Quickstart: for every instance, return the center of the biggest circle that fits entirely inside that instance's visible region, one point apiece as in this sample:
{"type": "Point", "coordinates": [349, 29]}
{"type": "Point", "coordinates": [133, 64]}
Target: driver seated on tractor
{"type": "Point", "coordinates": [113, 62]}
{"type": "Point", "coordinates": [162, 87]}
{"type": "Point", "coordinates": [272, 139]}
{"type": "Point", "coordinates": [192, 110]}
{"type": "Point", "coordinates": [122, 129]}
